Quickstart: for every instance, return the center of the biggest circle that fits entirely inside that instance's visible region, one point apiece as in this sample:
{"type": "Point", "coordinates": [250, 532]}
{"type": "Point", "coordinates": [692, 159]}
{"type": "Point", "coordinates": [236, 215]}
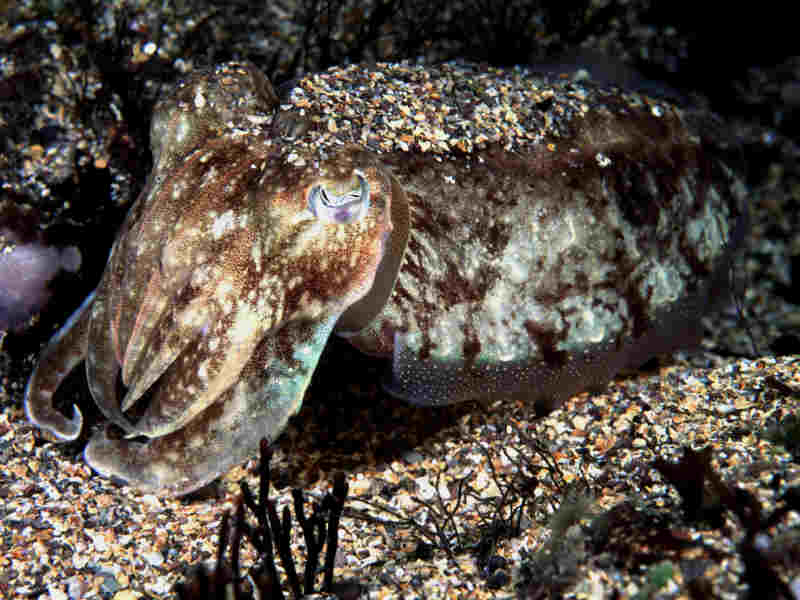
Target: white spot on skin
{"type": "Point", "coordinates": [255, 256]}
{"type": "Point", "coordinates": [223, 295]}
{"type": "Point", "coordinates": [178, 190]}
{"type": "Point", "coordinates": [202, 370]}
{"type": "Point", "coordinates": [222, 224]}
{"type": "Point", "coordinates": [193, 319]}
{"type": "Point", "coordinates": [209, 177]}
{"type": "Point", "coordinates": [245, 325]}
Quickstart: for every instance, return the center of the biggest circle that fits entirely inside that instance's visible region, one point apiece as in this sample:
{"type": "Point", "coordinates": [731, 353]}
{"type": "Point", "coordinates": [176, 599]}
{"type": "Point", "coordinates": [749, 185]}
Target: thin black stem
{"type": "Point", "coordinates": [236, 544]}
{"type": "Point", "coordinates": [281, 533]}
{"type": "Point", "coordinates": [339, 495]}
{"type": "Point", "coordinates": [219, 584]}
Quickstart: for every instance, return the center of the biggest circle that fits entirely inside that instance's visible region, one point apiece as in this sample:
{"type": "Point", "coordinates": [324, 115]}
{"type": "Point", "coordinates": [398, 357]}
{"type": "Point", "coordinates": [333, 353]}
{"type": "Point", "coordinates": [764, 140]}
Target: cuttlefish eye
{"type": "Point", "coordinates": [340, 202]}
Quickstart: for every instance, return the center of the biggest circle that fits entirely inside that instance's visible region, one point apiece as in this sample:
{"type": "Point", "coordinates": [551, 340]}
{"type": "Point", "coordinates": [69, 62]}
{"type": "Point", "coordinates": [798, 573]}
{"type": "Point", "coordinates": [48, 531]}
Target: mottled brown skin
{"type": "Point", "coordinates": [492, 232]}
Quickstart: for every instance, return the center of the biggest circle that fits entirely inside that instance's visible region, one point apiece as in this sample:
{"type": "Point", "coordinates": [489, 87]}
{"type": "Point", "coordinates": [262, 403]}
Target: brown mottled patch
{"type": "Point", "coordinates": [547, 339]}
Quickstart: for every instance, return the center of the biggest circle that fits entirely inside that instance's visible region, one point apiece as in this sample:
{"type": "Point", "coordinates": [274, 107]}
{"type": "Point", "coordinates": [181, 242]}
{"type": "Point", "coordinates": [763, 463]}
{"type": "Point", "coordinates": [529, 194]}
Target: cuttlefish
{"type": "Point", "coordinates": [491, 231]}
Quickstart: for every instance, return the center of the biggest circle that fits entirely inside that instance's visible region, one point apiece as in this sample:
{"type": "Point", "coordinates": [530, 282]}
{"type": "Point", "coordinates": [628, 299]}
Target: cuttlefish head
{"type": "Point", "coordinates": [216, 336]}
{"type": "Point", "coordinates": [224, 284]}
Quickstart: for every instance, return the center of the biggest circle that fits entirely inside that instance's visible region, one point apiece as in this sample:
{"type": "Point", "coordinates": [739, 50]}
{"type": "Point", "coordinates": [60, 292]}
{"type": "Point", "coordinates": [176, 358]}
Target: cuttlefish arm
{"type": "Point", "coordinates": [251, 322]}
{"type": "Point", "coordinates": [341, 241]}
{"type": "Point", "coordinates": [174, 311]}
{"type": "Point", "coordinates": [225, 281]}
{"type": "Point", "coordinates": [269, 390]}
{"type": "Point", "coordinates": [63, 353]}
